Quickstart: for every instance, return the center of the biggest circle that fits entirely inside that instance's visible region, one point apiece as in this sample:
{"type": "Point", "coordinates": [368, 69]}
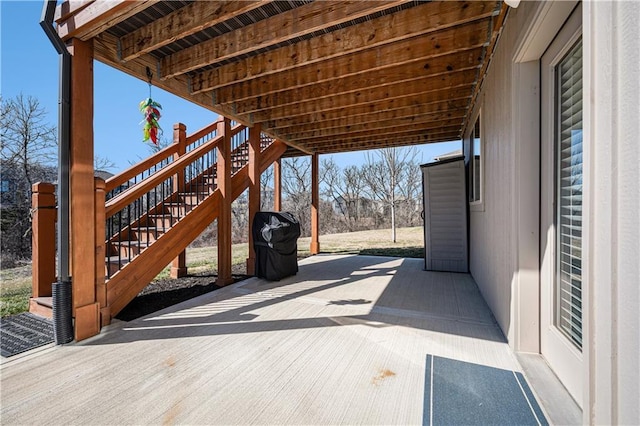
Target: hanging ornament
{"type": "Point", "coordinates": [150, 109]}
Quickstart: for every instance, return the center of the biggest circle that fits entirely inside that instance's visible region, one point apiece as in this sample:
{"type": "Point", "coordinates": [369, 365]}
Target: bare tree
{"type": "Point", "coordinates": [345, 187]}
{"type": "Point", "coordinates": [266, 189]}
{"type": "Point", "coordinates": [296, 189]}
{"type": "Point", "coordinates": [103, 163]}
{"type": "Point", "coordinates": [385, 173]}
{"type": "Point", "coordinates": [28, 153]}
{"type": "Point", "coordinates": [27, 138]}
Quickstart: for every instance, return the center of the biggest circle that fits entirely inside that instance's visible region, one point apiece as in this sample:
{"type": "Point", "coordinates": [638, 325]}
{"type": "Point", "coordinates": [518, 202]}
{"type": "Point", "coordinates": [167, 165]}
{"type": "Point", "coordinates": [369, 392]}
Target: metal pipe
{"type": "Point", "coordinates": [62, 325]}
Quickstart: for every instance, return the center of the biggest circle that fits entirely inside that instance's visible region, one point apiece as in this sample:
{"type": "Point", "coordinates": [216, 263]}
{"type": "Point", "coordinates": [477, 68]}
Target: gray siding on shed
{"type": "Point", "coordinates": [445, 207]}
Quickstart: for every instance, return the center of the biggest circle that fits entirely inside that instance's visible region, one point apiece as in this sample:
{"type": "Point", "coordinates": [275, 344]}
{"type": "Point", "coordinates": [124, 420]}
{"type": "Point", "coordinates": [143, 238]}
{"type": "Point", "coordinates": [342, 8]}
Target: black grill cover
{"type": "Point", "coordinates": [275, 240]}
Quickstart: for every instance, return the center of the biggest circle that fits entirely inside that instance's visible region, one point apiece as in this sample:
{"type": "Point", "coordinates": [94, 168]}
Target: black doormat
{"type": "Point", "coordinates": [22, 332]}
{"type": "Point", "coordinates": [461, 393]}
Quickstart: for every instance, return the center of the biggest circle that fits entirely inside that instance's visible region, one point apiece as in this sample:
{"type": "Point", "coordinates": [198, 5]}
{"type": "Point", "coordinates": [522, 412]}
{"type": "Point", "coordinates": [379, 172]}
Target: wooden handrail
{"type": "Point", "coordinates": [119, 179]}
{"type": "Point", "coordinates": [123, 199]}
{"type": "Point", "coordinates": [209, 128]}
{"type": "Point", "coordinates": [236, 129]}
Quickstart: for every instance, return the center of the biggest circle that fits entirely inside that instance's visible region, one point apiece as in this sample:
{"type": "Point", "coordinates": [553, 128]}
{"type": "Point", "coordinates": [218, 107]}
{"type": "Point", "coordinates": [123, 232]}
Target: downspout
{"type": "Point", "coordinates": [61, 290]}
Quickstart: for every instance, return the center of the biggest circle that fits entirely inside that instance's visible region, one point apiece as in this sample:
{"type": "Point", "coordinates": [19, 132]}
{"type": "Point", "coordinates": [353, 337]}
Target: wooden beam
{"type": "Point", "coordinates": [391, 138]}
{"type": "Point", "coordinates": [277, 185]}
{"type": "Point", "coordinates": [450, 55]}
{"type": "Point", "coordinates": [345, 103]}
{"type": "Point", "coordinates": [179, 264]}
{"type": "Point", "coordinates": [82, 194]}
{"type": "Point", "coordinates": [417, 21]}
{"type": "Point", "coordinates": [43, 239]}
{"type": "Point", "coordinates": [100, 251]}
{"type": "Point", "coordinates": [399, 116]}
{"type": "Point", "coordinates": [357, 67]}
{"type": "Point", "coordinates": [383, 106]}
{"type": "Point", "coordinates": [254, 190]}
{"type": "Point", "coordinates": [405, 72]}
{"type": "Point", "coordinates": [106, 51]}
{"type": "Point", "coordinates": [224, 217]}
{"type": "Point", "coordinates": [98, 16]}
{"type": "Point", "coordinates": [68, 8]}
{"type": "Point", "coordinates": [315, 206]}
{"type": "Point", "coordinates": [365, 135]}
{"type": "Point", "coordinates": [381, 127]}
{"type": "Point", "coordinates": [184, 22]}
{"type": "Point", "coordinates": [362, 86]}
{"type": "Point", "coordinates": [333, 147]}
{"type": "Point", "coordinates": [298, 22]}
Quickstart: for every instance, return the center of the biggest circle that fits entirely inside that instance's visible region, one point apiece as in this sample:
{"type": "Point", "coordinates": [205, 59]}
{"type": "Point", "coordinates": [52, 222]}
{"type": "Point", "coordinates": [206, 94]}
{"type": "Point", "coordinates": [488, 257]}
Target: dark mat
{"type": "Point", "coordinates": [22, 332]}
{"type": "Point", "coordinates": [461, 393]}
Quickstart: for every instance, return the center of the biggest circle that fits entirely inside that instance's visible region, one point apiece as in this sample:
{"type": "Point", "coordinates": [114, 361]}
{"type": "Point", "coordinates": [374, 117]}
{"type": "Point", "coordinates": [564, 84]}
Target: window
{"type": "Point", "coordinates": [568, 141]}
{"type": "Point", "coordinates": [475, 164]}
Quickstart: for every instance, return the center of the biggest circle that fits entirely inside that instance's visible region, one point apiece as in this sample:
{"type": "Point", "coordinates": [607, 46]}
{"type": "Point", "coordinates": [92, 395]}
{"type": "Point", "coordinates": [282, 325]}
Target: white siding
{"type": "Point", "coordinates": [500, 258]}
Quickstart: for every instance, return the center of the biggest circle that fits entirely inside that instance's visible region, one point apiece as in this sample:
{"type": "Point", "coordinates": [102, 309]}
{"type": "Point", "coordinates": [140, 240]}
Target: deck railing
{"type": "Point", "coordinates": [150, 197]}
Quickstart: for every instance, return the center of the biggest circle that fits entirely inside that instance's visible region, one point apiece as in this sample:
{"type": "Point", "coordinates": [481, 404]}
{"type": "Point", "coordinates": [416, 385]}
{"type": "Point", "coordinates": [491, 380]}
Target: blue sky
{"type": "Point", "coordinates": [29, 65]}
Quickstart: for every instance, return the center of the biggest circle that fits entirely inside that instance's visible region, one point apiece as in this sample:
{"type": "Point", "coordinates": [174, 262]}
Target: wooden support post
{"type": "Point", "coordinates": [224, 217]}
{"type": "Point", "coordinates": [315, 204]}
{"type": "Point", "coordinates": [277, 185]}
{"type": "Point", "coordinates": [254, 190]}
{"type": "Point", "coordinates": [43, 248]}
{"type": "Point", "coordinates": [179, 264]}
{"type": "Point", "coordinates": [101, 237]}
{"type": "Point", "coordinates": [82, 199]}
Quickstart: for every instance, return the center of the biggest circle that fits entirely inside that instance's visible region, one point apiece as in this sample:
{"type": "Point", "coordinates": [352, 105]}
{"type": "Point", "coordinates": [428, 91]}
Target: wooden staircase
{"type": "Point", "coordinates": [155, 209]}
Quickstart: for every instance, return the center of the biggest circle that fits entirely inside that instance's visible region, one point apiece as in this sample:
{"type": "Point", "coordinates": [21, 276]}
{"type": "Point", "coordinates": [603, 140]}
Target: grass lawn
{"type": "Point", "coordinates": [15, 290]}
{"type": "Point", "coordinates": [15, 284]}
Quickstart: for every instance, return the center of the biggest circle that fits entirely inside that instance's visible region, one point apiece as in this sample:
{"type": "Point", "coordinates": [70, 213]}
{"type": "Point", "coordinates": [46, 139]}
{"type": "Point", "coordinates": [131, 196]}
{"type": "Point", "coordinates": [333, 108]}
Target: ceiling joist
{"type": "Point", "coordinates": [323, 76]}
{"type": "Point", "coordinates": [280, 28]}
{"type": "Point", "coordinates": [182, 23]}
{"type": "Point", "coordinates": [384, 31]}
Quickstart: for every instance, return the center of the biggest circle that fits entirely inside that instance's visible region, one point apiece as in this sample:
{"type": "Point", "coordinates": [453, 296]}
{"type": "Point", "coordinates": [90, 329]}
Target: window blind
{"type": "Point", "coordinates": [569, 195]}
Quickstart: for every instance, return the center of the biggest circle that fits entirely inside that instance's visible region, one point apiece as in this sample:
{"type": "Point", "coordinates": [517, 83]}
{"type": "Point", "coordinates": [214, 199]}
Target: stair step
{"type": "Point", "coordinates": [148, 233]}
{"type": "Point", "coordinates": [114, 263]}
{"type": "Point", "coordinates": [130, 243]}
{"type": "Point", "coordinates": [191, 196]}
{"type": "Point", "coordinates": [130, 249]}
{"type": "Point", "coordinates": [161, 220]}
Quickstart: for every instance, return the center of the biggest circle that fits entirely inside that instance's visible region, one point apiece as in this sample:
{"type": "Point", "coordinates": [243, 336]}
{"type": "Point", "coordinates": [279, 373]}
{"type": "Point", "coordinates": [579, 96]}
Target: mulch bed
{"type": "Point", "coordinates": [166, 292]}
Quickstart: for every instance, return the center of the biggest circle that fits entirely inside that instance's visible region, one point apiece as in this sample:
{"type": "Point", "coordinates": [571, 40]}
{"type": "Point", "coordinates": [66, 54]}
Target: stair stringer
{"type": "Point", "coordinates": [125, 284]}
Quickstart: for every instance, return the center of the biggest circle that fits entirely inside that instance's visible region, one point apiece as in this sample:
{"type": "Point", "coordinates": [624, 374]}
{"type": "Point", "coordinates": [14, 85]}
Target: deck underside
{"type": "Point", "coordinates": [344, 341]}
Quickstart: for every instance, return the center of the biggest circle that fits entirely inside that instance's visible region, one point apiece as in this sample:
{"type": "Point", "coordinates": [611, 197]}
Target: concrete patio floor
{"type": "Point", "coordinates": [342, 342]}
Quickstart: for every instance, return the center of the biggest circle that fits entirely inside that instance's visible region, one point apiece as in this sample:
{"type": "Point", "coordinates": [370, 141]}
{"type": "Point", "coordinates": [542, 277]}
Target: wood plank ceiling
{"type": "Point", "coordinates": [322, 76]}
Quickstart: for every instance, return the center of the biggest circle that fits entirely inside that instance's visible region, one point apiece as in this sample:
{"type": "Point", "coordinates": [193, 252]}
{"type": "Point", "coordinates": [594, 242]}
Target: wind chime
{"type": "Point", "coordinates": [150, 109]}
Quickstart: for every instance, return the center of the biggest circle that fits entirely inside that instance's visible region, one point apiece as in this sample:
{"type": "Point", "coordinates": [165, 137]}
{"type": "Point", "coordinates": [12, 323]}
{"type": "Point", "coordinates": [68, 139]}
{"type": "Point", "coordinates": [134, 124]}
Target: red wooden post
{"type": "Point", "coordinates": [179, 264]}
{"type": "Point", "coordinates": [254, 190]}
{"type": "Point", "coordinates": [101, 237]}
{"type": "Point", "coordinates": [277, 185]}
{"type": "Point", "coordinates": [82, 199]}
{"type": "Point", "coordinates": [315, 204]}
{"type": "Point", "coordinates": [43, 248]}
{"type": "Point", "coordinates": [224, 216]}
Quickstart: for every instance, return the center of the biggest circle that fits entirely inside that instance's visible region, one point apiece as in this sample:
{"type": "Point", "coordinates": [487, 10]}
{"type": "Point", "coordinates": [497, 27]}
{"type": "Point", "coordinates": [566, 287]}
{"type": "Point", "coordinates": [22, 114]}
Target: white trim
{"type": "Point", "coordinates": [612, 154]}
{"type": "Point", "coordinates": [545, 24]}
{"type": "Point", "coordinates": [477, 205]}
{"type": "Point", "coordinates": [562, 356]}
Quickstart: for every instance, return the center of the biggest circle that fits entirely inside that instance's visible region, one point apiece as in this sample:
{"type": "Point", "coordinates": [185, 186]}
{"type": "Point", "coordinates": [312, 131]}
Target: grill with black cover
{"type": "Point", "coordinates": [275, 240]}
